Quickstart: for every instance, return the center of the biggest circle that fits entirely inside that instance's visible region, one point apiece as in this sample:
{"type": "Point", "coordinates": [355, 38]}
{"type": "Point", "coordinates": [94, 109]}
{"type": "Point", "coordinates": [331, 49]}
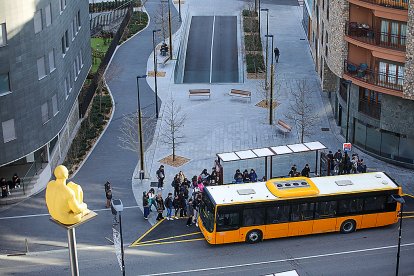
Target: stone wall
{"type": "Point", "coordinates": [408, 89]}
{"type": "Point", "coordinates": [394, 115]}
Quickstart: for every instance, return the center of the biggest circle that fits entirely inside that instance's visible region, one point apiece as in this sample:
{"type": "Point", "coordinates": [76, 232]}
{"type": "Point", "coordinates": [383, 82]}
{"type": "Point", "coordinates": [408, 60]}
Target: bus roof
{"type": "Point", "coordinates": [327, 185]}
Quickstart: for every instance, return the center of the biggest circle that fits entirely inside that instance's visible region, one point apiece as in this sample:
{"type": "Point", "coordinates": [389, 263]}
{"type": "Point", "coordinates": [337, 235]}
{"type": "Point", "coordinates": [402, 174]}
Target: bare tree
{"type": "Point", "coordinates": [129, 137]}
{"type": "Point", "coordinates": [173, 122]}
{"type": "Point", "coordinates": [301, 109]}
{"type": "Point", "coordinates": [161, 19]}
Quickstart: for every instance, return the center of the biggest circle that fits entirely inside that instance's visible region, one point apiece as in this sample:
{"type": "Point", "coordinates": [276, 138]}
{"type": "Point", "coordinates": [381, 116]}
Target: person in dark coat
{"type": "Point", "coordinates": [246, 176]}
{"type": "Point", "coordinates": [190, 212]}
{"type": "Point", "coordinates": [145, 204]}
{"type": "Point", "coordinates": [4, 188]}
{"type": "Point", "coordinates": [160, 176]}
{"type": "Point", "coordinates": [16, 180]}
{"type": "Point", "coordinates": [306, 171]}
{"type": "Point", "coordinates": [160, 206]}
{"type": "Point", "coordinates": [253, 176]}
{"type": "Point", "coordinates": [277, 54]}
{"type": "Point", "coordinates": [108, 194]}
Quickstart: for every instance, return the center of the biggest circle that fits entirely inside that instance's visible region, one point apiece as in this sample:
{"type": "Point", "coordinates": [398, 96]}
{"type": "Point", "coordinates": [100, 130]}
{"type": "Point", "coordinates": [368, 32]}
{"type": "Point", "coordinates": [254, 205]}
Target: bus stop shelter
{"type": "Point", "coordinates": [268, 162]}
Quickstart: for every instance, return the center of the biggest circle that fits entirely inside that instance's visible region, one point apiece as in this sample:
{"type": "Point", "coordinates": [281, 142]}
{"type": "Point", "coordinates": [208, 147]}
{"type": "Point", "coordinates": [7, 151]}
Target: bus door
{"type": "Point", "coordinates": [227, 225]}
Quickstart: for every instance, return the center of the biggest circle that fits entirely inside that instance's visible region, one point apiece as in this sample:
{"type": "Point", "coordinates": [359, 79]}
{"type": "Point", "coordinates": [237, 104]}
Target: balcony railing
{"type": "Point", "coordinates": [397, 4]}
{"type": "Point", "coordinates": [365, 34]}
{"type": "Point", "coordinates": [365, 74]}
{"type": "Point", "coordinates": [369, 108]}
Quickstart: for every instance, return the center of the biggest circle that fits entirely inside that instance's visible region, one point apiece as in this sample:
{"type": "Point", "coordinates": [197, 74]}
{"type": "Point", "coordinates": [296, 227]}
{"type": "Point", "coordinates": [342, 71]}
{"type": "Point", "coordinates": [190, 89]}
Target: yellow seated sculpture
{"type": "Point", "coordinates": [65, 202]}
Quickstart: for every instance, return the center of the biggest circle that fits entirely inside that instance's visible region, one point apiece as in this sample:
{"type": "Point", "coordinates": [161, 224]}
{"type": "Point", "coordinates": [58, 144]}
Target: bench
{"type": "Point", "coordinates": [282, 126]}
{"type": "Point", "coordinates": [241, 93]}
{"type": "Point", "coordinates": [199, 92]}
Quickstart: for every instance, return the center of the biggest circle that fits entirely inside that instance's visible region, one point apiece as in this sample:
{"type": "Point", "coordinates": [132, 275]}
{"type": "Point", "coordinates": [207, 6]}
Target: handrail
{"type": "Point", "coordinates": [375, 37]}
{"type": "Point", "coordinates": [23, 180]}
{"type": "Point", "coordinates": [374, 77]}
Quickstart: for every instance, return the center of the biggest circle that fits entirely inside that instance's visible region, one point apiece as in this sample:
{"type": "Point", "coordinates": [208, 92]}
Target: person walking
{"type": "Point", "coordinates": [190, 212]}
{"type": "Point", "coordinates": [169, 205]}
{"type": "Point", "coordinates": [277, 54]}
{"type": "Point", "coordinates": [160, 176]}
{"type": "Point", "coordinates": [160, 206]}
{"type": "Point", "coordinates": [108, 194]}
{"type": "Point", "coordinates": [145, 204]}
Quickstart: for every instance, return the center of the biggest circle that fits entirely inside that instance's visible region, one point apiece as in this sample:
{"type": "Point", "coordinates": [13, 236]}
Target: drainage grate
{"type": "Point", "coordinates": [303, 39]}
{"type": "Point", "coordinates": [325, 129]}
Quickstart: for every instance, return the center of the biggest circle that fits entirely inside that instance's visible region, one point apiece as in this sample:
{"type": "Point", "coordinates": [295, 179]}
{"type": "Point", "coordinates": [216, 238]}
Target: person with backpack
{"type": "Point", "coordinates": [145, 204]}
{"type": "Point", "coordinates": [160, 206]}
{"type": "Point", "coordinates": [169, 205]}
{"type": "Point", "coordinates": [160, 176]}
{"type": "Point", "coordinates": [108, 194]}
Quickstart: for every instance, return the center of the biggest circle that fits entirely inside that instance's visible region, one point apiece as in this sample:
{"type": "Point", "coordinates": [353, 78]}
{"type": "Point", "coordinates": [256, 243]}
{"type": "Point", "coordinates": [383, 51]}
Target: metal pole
{"type": "Point", "coordinates": [316, 163]}
{"type": "Point", "coordinates": [265, 167]}
{"type": "Point", "coordinates": [73, 255]}
{"type": "Point", "coordinates": [271, 88]}
{"type": "Point", "coordinates": [169, 27]}
{"type": "Point", "coordinates": [141, 144]}
{"type": "Point", "coordinates": [179, 10]}
{"type": "Point", "coordinates": [267, 48]}
{"type": "Point", "coordinates": [258, 13]}
{"type": "Point", "coordinates": [122, 244]}
{"type": "Point", "coordinates": [271, 164]}
{"type": "Point", "coordinates": [155, 73]}
{"type": "Point", "coordinates": [347, 110]}
{"type": "Point", "coordinates": [399, 239]}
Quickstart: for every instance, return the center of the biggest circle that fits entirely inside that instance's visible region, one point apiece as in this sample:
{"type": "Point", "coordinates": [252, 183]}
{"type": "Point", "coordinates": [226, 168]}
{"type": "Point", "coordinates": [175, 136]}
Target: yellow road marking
{"type": "Point", "coordinates": [408, 195]}
{"type": "Point", "coordinates": [167, 242]}
{"type": "Point", "coordinates": [146, 233]}
{"type": "Point", "coordinates": [169, 238]}
{"type": "Point", "coordinates": [406, 217]}
{"type": "Point", "coordinates": [408, 212]}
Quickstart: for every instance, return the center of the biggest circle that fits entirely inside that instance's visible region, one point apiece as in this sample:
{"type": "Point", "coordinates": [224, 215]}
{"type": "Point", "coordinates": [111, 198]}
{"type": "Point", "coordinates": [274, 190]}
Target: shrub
{"type": "Point", "coordinates": [251, 25]}
{"type": "Point", "coordinates": [255, 63]}
{"type": "Point", "coordinates": [253, 42]}
{"type": "Point", "coordinates": [249, 13]}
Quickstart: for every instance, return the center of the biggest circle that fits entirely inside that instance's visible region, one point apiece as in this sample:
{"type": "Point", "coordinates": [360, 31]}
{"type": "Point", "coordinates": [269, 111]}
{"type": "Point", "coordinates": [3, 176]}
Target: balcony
{"type": "Point", "coordinates": [366, 75]}
{"type": "Point", "coordinates": [397, 4]}
{"type": "Point", "coordinates": [369, 108]}
{"type": "Point", "coordinates": [364, 33]}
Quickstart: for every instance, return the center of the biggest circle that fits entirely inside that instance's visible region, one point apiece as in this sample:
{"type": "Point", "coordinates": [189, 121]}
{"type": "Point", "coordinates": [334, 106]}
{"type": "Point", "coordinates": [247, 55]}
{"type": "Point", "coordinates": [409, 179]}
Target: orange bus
{"type": "Point", "coordinates": [285, 207]}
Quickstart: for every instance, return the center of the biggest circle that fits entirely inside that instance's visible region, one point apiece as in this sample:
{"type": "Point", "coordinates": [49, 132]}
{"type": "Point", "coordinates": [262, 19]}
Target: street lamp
{"type": "Point", "coordinates": [348, 99]}
{"type": "Point", "coordinates": [399, 199]}
{"type": "Point", "coordinates": [155, 72]}
{"type": "Point", "coordinates": [271, 84]}
{"type": "Point", "coordinates": [141, 144]}
{"type": "Point", "coordinates": [267, 43]}
{"type": "Point", "coordinates": [258, 13]}
{"type": "Point", "coordinates": [169, 25]}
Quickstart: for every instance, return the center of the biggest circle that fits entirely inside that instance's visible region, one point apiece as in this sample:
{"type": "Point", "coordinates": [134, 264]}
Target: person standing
{"type": "Point", "coordinates": [176, 205]}
{"type": "Point", "coordinates": [151, 197]}
{"type": "Point", "coordinates": [331, 162]}
{"type": "Point", "coordinates": [169, 205]}
{"type": "Point", "coordinates": [4, 188]}
{"type": "Point", "coordinates": [160, 206]}
{"type": "Point", "coordinates": [190, 211]}
{"type": "Point", "coordinates": [277, 54]}
{"type": "Point", "coordinates": [145, 204]}
{"type": "Point", "coordinates": [161, 176]}
{"type": "Point", "coordinates": [306, 171]}
{"type": "Point", "coordinates": [108, 194]}
{"type": "Point", "coordinates": [196, 205]}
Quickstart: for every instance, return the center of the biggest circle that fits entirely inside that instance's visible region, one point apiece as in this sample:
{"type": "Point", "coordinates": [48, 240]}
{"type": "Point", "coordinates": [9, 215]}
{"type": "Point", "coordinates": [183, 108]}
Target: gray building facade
{"type": "Point", "coordinates": [45, 57]}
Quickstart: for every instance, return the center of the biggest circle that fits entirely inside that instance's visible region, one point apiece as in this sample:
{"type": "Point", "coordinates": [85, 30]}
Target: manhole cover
{"type": "Point", "coordinates": [325, 129]}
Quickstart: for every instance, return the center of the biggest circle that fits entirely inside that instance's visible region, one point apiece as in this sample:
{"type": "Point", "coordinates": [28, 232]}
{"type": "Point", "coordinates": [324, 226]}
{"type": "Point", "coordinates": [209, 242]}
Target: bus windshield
{"type": "Point", "coordinates": [207, 213]}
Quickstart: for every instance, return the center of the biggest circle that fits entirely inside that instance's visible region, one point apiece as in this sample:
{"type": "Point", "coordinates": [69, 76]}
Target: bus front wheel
{"type": "Point", "coordinates": [254, 236]}
{"type": "Point", "coordinates": [348, 226]}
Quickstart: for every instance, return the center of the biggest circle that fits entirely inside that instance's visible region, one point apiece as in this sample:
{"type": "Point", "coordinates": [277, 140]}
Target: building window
{"type": "Point", "coordinates": [4, 83]}
{"type": "Point", "coordinates": [62, 5]}
{"type": "Point", "coordinates": [48, 14]}
{"type": "Point", "coordinates": [71, 81]}
{"type": "Point", "coordinates": [52, 66]}
{"type": "Point", "coordinates": [55, 108]}
{"type": "Point", "coordinates": [41, 70]}
{"type": "Point", "coordinates": [393, 33]}
{"type": "Point", "coordinates": [327, 10]}
{"type": "Point", "coordinates": [67, 39]}
{"type": "Point", "coordinates": [391, 75]}
{"type": "Point", "coordinates": [78, 64]}
{"type": "Point", "coordinates": [3, 34]}
{"type": "Point", "coordinates": [66, 87]}
{"type": "Point", "coordinates": [65, 42]}
{"type": "Point", "coordinates": [73, 30]}
{"type": "Point", "coordinates": [9, 132]}
{"type": "Point", "coordinates": [45, 113]}
{"type": "Point", "coordinates": [80, 59]}
{"type": "Point", "coordinates": [38, 26]}
{"type": "Point", "coordinates": [75, 72]}
{"type": "Point", "coordinates": [369, 103]}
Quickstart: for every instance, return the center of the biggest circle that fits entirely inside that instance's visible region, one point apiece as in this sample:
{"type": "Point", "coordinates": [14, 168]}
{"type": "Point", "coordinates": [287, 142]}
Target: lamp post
{"type": "Point", "coordinates": [141, 144]}
{"type": "Point", "coordinates": [399, 199]}
{"type": "Point", "coordinates": [271, 85]}
{"type": "Point", "coordinates": [258, 14]}
{"type": "Point", "coordinates": [348, 99]}
{"type": "Point", "coordinates": [169, 26]}
{"type": "Point", "coordinates": [179, 10]}
{"type": "Point", "coordinates": [267, 44]}
{"type": "Point", "coordinates": [155, 72]}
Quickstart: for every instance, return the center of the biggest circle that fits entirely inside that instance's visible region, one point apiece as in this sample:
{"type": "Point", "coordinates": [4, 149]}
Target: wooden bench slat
{"type": "Point", "coordinates": [199, 92]}
{"type": "Point", "coordinates": [284, 127]}
{"type": "Point", "coordinates": [241, 93]}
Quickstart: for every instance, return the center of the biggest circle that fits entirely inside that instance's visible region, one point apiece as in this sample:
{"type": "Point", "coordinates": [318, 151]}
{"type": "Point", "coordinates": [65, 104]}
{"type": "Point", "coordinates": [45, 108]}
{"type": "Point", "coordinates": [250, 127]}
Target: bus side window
{"type": "Point", "coordinates": [253, 216]}
{"type": "Point", "coordinates": [278, 214]}
{"type": "Point", "coordinates": [325, 209]}
{"type": "Point", "coordinates": [374, 203]}
{"type": "Point", "coordinates": [350, 206]}
{"type": "Point", "coordinates": [228, 221]}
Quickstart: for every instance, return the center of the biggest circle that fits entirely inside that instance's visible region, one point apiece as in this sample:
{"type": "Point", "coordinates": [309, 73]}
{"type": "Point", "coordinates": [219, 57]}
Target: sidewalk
{"type": "Point", "coordinates": [212, 123]}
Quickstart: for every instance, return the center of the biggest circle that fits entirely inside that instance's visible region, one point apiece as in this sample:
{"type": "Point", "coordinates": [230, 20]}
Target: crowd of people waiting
{"type": "Point", "coordinates": [345, 164]}
{"type": "Point", "coordinates": [8, 186]}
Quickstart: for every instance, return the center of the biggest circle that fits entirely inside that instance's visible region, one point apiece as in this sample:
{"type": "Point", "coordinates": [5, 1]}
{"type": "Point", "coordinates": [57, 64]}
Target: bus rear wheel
{"type": "Point", "coordinates": [348, 226]}
{"type": "Point", "coordinates": [254, 236]}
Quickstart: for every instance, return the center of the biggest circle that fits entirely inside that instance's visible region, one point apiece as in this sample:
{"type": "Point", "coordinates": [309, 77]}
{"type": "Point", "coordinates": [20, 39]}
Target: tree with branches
{"type": "Point", "coordinates": [173, 122]}
{"type": "Point", "coordinates": [301, 109]}
{"type": "Point", "coordinates": [161, 19]}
